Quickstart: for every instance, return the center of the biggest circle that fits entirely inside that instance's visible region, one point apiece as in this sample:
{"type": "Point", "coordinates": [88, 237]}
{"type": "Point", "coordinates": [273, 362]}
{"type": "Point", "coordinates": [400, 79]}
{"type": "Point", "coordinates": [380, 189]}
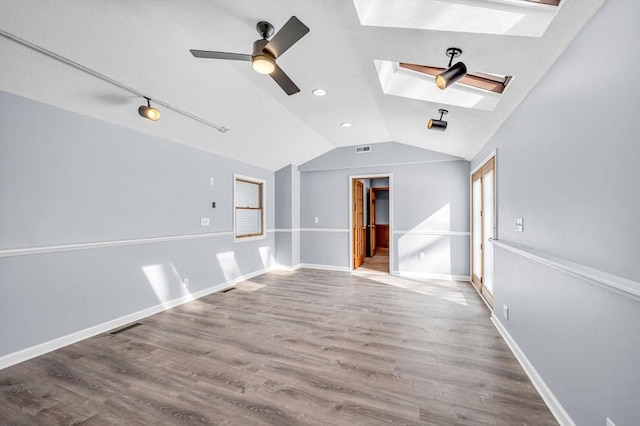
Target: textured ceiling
{"type": "Point", "coordinates": [145, 45]}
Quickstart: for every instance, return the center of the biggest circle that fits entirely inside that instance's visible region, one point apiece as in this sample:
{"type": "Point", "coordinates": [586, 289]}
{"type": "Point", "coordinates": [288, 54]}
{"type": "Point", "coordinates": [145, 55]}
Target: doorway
{"type": "Point", "coordinates": [483, 215]}
{"type": "Point", "coordinates": [370, 209]}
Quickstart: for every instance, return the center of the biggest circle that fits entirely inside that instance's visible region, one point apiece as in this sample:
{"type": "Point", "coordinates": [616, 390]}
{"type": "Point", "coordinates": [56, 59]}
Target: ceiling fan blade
{"type": "Point", "coordinates": [288, 35]}
{"type": "Point", "coordinates": [284, 81]}
{"type": "Point", "coordinates": [220, 55]}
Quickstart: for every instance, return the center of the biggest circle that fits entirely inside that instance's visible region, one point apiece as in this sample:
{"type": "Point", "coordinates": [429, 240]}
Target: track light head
{"type": "Point", "coordinates": [454, 73]}
{"type": "Point", "coordinates": [147, 111]}
{"type": "Point", "coordinates": [438, 124]}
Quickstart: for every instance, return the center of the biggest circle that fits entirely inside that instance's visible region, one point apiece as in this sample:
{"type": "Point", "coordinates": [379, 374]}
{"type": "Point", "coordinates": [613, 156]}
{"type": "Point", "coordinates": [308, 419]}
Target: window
{"type": "Point", "coordinates": [248, 203]}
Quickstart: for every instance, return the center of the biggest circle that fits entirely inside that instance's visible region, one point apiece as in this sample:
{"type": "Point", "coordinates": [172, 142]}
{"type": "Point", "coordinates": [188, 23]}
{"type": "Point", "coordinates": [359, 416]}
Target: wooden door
{"type": "Point", "coordinates": [372, 222]}
{"type": "Point", "coordinates": [358, 227]}
{"type": "Point", "coordinates": [483, 228]}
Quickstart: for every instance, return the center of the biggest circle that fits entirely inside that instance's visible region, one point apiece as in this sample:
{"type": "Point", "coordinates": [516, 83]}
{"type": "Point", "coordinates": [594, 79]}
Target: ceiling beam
{"type": "Point", "coordinates": [488, 82]}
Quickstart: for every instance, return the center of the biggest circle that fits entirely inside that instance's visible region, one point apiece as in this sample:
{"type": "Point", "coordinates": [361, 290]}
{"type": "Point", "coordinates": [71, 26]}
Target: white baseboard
{"type": "Point", "coordinates": [548, 397]}
{"type": "Point", "coordinates": [325, 267]}
{"type": "Point", "coordinates": [285, 268]}
{"type": "Point", "coordinates": [52, 345]}
{"type": "Point", "coordinates": [426, 275]}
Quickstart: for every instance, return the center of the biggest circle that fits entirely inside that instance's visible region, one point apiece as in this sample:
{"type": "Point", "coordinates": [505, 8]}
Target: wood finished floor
{"type": "Point", "coordinates": [376, 264]}
{"type": "Point", "coordinates": [289, 348]}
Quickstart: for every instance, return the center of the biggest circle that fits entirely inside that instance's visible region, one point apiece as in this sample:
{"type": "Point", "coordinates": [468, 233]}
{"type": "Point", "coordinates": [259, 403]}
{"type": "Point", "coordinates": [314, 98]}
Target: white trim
{"type": "Point", "coordinates": [325, 267]}
{"type": "Point", "coordinates": [430, 276]}
{"type": "Point", "coordinates": [286, 230]}
{"type": "Point", "coordinates": [279, 267]}
{"type": "Point", "coordinates": [101, 244]}
{"type": "Point", "coordinates": [420, 232]}
{"type": "Point", "coordinates": [614, 283]}
{"type": "Point", "coordinates": [323, 230]}
{"type": "Point", "coordinates": [60, 342]}
{"type": "Point", "coordinates": [350, 230]}
{"type": "Point", "coordinates": [548, 397]}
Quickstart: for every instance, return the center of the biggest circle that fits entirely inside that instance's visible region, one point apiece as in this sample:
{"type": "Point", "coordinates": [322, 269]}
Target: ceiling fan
{"type": "Point", "coordinates": [265, 51]}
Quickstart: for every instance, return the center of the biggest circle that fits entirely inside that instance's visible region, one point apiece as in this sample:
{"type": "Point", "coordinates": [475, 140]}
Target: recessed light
{"type": "Point", "coordinates": [319, 92]}
{"type": "Point", "coordinates": [345, 124]}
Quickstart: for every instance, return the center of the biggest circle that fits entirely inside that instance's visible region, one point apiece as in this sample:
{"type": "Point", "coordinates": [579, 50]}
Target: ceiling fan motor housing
{"type": "Point", "coordinates": [265, 29]}
{"type": "Point", "coordinates": [258, 48]}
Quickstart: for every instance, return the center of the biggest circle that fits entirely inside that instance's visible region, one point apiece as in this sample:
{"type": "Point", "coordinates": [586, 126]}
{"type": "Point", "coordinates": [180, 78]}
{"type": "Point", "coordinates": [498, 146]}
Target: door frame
{"type": "Point", "coordinates": [359, 224]}
{"type": "Point", "coordinates": [391, 242]}
{"type": "Point", "coordinates": [493, 154]}
{"type": "Point", "coordinates": [371, 222]}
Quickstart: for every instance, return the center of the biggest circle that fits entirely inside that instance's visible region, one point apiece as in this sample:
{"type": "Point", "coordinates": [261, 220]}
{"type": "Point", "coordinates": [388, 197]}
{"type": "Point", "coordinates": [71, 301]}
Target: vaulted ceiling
{"type": "Point", "coordinates": [144, 45]}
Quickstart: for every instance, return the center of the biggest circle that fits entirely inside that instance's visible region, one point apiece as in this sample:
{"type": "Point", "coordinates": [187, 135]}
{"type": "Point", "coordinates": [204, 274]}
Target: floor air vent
{"type": "Point", "coordinates": [363, 148]}
{"type": "Point", "coordinates": [125, 328]}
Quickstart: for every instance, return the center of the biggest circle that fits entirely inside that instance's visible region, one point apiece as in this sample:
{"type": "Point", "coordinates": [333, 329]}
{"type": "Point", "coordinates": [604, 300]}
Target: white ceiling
{"type": "Point", "coordinates": [145, 44]}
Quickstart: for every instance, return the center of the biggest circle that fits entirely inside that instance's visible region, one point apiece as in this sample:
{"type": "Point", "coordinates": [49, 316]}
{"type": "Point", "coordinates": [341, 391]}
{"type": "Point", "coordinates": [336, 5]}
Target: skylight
{"type": "Point", "coordinates": [505, 17]}
{"type": "Point", "coordinates": [399, 80]}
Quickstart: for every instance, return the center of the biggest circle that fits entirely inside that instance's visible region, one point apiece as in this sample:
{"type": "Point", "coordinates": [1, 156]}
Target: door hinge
{"type": "Point", "coordinates": [480, 246]}
{"type": "Point", "coordinates": [481, 282]}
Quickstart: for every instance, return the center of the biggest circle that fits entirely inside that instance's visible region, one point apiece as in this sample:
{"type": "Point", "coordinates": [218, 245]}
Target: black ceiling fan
{"type": "Point", "coordinates": [265, 51]}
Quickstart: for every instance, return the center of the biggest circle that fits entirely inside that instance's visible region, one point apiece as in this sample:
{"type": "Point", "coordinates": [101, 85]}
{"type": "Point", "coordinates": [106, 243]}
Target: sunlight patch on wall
{"type": "Point", "coordinates": [164, 278]}
{"type": "Point", "coordinates": [266, 255]}
{"type": "Point", "coordinates": [228, 265]}
{"type": "Point", "coordinates": [436, 249]}
{"type": "Point", "coordinates": [437, 221]}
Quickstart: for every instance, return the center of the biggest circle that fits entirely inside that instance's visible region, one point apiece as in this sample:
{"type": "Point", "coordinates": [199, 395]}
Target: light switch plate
{"type": "Point", "coordinates": [520, 224]}
{"type": "Point", "coordinates": [211, 181]}
{"type": "Point", "coordinates": [421, 256]}
{"type": "Point", "coordinates": [204, 221]}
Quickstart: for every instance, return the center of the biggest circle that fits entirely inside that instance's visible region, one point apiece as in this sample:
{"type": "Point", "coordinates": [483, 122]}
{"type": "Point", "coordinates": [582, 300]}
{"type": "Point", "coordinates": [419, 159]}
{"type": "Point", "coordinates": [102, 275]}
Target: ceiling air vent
{"type": "Point", "coordinates": [363, 148]}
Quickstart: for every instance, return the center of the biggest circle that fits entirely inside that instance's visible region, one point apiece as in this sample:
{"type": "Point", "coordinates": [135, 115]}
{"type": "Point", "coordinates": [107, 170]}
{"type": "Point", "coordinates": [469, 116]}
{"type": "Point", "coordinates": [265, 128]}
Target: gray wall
{"type": "Point", "coordinates": [381, 154]}
{"type": "Point", "coordinates": [568, 164]}
{"type": "Point", "coordinates": [430, 206]}
{"type": "Point", "coordinates": [287, 211]}
{"type": "Point", "coordinates": [382, 207]}
{"type": "Point", "coordinates": [68, 179]}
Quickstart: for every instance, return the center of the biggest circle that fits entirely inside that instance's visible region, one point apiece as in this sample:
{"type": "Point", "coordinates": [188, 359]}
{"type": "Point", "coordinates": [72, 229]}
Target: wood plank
{"type": "Point", "coordinates": [309, 347]}
{"type": "Point", "coordinates": [477, 80]}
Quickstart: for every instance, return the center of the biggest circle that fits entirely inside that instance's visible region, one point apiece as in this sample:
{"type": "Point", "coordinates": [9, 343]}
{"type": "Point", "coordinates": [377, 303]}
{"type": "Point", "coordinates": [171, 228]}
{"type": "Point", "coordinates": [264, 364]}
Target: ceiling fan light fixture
{"type": "Point", "coordinates": [263, 64]}
{"type": "Point", "coordinates": [438, 124]}
{"type": "Point", "coordinates": [452, 74]}
{"type": "Point", "coordinates": [148, 112]}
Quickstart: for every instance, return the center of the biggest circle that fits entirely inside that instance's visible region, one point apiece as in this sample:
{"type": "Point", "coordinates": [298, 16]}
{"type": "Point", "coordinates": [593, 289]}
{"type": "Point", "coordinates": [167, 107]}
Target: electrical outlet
{"type": "Point", "coordinates": [609, 422]}
{"type": "Point", "coordinates": [185, 282]}
{"type": "Point", "coordinates": [519, 224]}
{"type": "Point", "coordinates": [421, 256]}
{"type": "Point", "coordinates": [211, 181]}
{"type": "Point", "coordinates": [505, 312]}
{"type": "Point", "coordinates": [316, 219]}
{"type": "Point", "coordinates": [204, 221]}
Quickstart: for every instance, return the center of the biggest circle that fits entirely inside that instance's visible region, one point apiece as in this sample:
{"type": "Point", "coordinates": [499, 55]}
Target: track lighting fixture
{"type": "Point", "coordinates": [454, 73]}
{"type": "Point", "coordinates": [148, 111]}
{"type": "Point", "coordinates": [441, 125]}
